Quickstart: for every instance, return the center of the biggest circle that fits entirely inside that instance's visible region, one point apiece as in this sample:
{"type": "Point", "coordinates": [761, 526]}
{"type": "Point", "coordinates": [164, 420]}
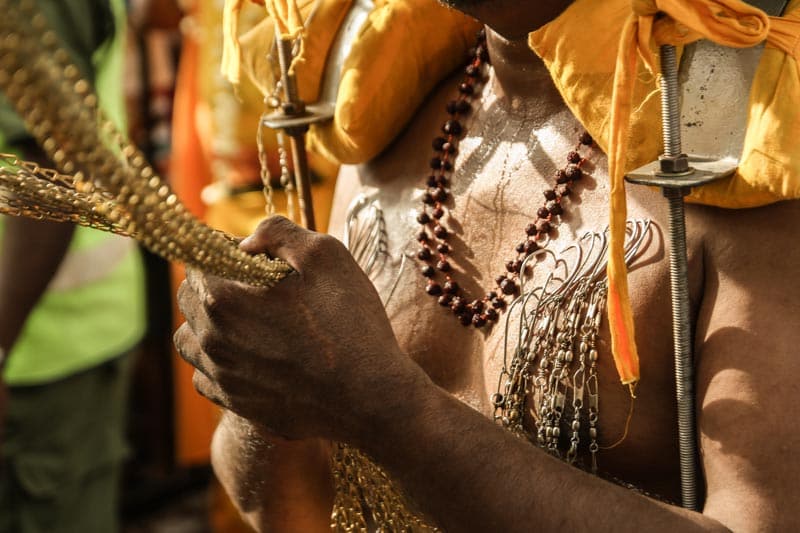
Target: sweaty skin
{"type": "Point", "coordinates": [317, 357]}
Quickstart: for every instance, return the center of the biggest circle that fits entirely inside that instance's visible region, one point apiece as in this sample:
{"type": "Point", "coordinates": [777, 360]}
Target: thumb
{"type": "Point", "coordinates": [277, 236]}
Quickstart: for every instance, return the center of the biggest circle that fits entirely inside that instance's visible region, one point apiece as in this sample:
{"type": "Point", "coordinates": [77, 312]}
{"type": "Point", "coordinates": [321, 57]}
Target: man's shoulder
{"type": "Point", "coordinates": [759, 232]}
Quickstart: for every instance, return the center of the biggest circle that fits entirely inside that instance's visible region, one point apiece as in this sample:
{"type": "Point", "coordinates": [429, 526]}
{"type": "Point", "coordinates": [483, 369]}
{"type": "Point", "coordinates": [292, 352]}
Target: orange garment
{"type": "Point", "coordinates": [195, 417]}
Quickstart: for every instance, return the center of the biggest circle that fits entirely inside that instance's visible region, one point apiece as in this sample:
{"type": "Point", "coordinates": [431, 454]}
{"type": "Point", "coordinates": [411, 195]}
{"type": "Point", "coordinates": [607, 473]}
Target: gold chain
{"type": "Point", "coordinates": [61, 111]}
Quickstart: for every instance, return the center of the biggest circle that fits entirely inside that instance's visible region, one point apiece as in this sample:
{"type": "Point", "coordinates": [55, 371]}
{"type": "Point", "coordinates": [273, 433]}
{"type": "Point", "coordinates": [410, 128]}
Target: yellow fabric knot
{"type": "Point", "coordinates": [616, 99]}
{"type": "Point", "coordinates": [288, 25]}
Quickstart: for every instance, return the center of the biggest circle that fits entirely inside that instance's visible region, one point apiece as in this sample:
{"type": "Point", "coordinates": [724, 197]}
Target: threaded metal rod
{"type": "Point", "coordinates": [681, 335]}
{"type": "Point", "coordinates": [297, 136]}
{"type": "Point", "coordinates": [670, 102]}
{"type": "Point", "coordinates": [678, 269]}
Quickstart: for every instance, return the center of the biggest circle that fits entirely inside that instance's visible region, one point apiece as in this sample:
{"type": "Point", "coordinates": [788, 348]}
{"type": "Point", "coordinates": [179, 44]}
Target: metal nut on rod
{"type": "Point", "coordinates": [674, 164]}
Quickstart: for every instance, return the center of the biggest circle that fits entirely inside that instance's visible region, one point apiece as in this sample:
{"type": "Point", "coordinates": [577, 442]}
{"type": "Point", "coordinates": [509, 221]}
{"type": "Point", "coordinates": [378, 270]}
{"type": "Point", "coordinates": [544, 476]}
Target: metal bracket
{"type": "Point", "coordinates": [313, 114]}
{"type": "Point", "coordinates": [702, 170]}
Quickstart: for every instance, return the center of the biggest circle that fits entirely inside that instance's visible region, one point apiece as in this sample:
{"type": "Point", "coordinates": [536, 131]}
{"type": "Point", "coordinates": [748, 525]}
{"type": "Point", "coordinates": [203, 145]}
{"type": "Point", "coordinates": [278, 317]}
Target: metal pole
{"type": "Point", "coordinates": [293, 106]}
{"type": "Point", "coordinates": [674, 162]}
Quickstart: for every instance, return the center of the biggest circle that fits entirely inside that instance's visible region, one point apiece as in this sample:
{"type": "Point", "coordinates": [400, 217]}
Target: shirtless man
{"type": "Point", "coordinates": [317, 358]}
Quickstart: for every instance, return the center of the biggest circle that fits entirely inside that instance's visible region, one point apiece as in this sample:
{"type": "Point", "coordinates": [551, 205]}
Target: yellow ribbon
{"type": "Point", "coordinates": [729, 23]}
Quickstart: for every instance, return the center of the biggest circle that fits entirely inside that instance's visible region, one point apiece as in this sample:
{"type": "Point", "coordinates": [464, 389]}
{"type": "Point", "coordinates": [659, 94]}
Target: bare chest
{"type": "Point", "coordinates": [496, 189]}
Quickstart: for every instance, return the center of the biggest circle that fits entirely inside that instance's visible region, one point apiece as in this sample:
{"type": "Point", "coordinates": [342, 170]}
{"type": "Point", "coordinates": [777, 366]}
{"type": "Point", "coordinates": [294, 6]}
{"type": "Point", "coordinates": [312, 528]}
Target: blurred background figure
{"type": "Point", "coordinates": [93, 438]}
{"type": "Point", "coordinates": [200, 132]}
{"type": "Point", "coordinates": [72, 311]}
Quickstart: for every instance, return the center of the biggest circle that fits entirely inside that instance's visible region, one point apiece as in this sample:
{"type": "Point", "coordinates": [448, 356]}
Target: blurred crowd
{"type": "Point", "coordinates": [100, 427]}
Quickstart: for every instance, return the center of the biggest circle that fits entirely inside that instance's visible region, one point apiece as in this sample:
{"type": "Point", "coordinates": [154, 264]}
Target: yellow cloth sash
{"type": "Point", "coordinates": [403, 50]}
{"type": "Point", "coordinates": [615, 96]}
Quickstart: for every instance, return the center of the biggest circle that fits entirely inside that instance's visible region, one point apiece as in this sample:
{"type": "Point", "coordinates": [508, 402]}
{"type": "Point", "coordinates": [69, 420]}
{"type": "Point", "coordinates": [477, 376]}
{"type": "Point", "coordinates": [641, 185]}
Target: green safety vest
{"type": "Point", "coordinates": [94, 308]}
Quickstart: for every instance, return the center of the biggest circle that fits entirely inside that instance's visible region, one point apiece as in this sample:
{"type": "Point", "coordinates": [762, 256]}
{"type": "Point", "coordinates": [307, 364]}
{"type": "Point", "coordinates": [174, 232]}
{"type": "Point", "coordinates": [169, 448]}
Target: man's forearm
{"type": "Point", "coordinates": [277, 485]}
{"type": "Point", "coordinates": [470, 475]}
{"type": "Point", "coordinates": [31, 253]}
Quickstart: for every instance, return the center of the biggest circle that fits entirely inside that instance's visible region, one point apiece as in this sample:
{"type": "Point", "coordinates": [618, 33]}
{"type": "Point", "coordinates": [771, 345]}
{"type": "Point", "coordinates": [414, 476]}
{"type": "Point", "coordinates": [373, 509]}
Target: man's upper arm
{"type": "Point", "coordinates": [747, 342]}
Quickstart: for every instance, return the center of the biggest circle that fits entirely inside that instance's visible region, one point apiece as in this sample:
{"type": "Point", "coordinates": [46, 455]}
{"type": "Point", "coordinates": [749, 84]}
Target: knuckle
{"type": "Point", "coordinates": [201, 383]}
{"type": "Point", "coordinates": [319, 247]}
{"type": "Point", "coordinates": [276, 224]}
{"type": "Point", "coordinates": [211, 343]}
{"type": "Point", "coordinates": [182, 288]}
{"type": "Point", "coordinates": [182, 341]}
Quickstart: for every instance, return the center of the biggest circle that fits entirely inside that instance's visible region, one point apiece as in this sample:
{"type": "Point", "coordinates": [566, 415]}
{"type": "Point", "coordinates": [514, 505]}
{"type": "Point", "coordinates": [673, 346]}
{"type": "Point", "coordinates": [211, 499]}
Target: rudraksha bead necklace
{"type": "Point", "coordinates": [432, 237]}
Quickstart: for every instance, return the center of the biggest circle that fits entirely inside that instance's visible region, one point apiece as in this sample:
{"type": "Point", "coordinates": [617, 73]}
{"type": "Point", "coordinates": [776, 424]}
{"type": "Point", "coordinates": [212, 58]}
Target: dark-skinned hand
{"type": "Point", "coordinates": [314, 356]}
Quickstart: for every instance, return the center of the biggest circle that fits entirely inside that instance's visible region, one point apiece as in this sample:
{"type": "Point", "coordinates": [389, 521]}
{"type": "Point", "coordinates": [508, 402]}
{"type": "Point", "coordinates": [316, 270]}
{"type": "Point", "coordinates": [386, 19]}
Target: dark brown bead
{"type": "Point", "coordinates": [543, 226]}
{"type": "Point", "coordinates": [500, 279]}
{"type": "Point", "coordinates": [491, 314]}
{"type": "Point", "coordinates": [550, 194]}
{"type": "Point", "coordinates": [440, 195]}
{"type": "Point", "coordinates": [452, 127]}
{"type": "Point", "coordinates": [508, 287]}
{"type": "Point", "coordinates": [556, 209]}
{"type": "Point", "coordinates": [427, 198]}
{"type": "Point", "coordinates": [478, 321]}
{"type": "Point", "coordinates": [530, 229]}
{"type": "Point", "coordinates": [428, 271]}
{"type": "Point", "coordinates": [438, 213]}
{"type": "Point", "coordinates": [449, 148]}
{"type": "Point", "coordinates": [561, 176]}
{"type": "Point", "coordinates": [586, 139]}
{"type": "Point", "coordinates": [482, 53]}
{"type": "Point", "coordinates": [443, 265]}
{"type": "Point", "coordinates": [441, 181]}
{"type": "Point", "coordinates": [423, 218]}
{"type": "Point", "coordinates": [531, 247]}
{"type": "Point", "coordinates": [520, 247]}
{"type": "Point", "coordinates": [510, 266]}
{"type": "Point", "coordinates": [466, 88]}
{"type": "Point", "coordinates": [443, 248]}
{"type": "Point", "coordinates": [457, 305]}
{"type": "Point", "coordinates": [436, 163]}
{"type": "Point", "coordinates": [574, 157]}
{"type": "Point", "coordinates": [451, 107]}
{"type": "Point", "coordinates": [424, 253]}
{"type": "Point", "coordinates": [432, 180]}
{"type": "Point", "coordinates": [440, 232]}
{"type": "Point", "coordinates": [543, 212]}
{"type": "Point", "coordinates": [445, 299]}
{"type": "Point", "coordinates": [447, 165]}
{"type": "Point", "coordinates": [465, 318]}
{"type": "Point", "coordinates": [438, 143]}
{"type": "Point", "coordinates": [499, 303]}
{"type": "Point", "coordinates": [463, 107]}
{"type": "Point", "coordinates": [491, 295]}
{"type": "Point", "coordinates": [564, 190]}
{"type": "Point", "coordinates": [516, 264]}
{"type": "Point", "coordinates": [423, 236]}
{"type": "Point", "coordinates": [451, 287]}
{"type": "Point", "coordinates": [476, 306]}
{"type": "Point", "coordinates": [574, 172]}
{"type": "Point", "coordinates": [433, 288]}
{"type": "Point", "coordinates": [472, 71]}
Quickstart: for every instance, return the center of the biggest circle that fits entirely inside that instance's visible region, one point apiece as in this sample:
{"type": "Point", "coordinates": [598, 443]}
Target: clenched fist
{"type": "Point", "coordinates": [314, 356]}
